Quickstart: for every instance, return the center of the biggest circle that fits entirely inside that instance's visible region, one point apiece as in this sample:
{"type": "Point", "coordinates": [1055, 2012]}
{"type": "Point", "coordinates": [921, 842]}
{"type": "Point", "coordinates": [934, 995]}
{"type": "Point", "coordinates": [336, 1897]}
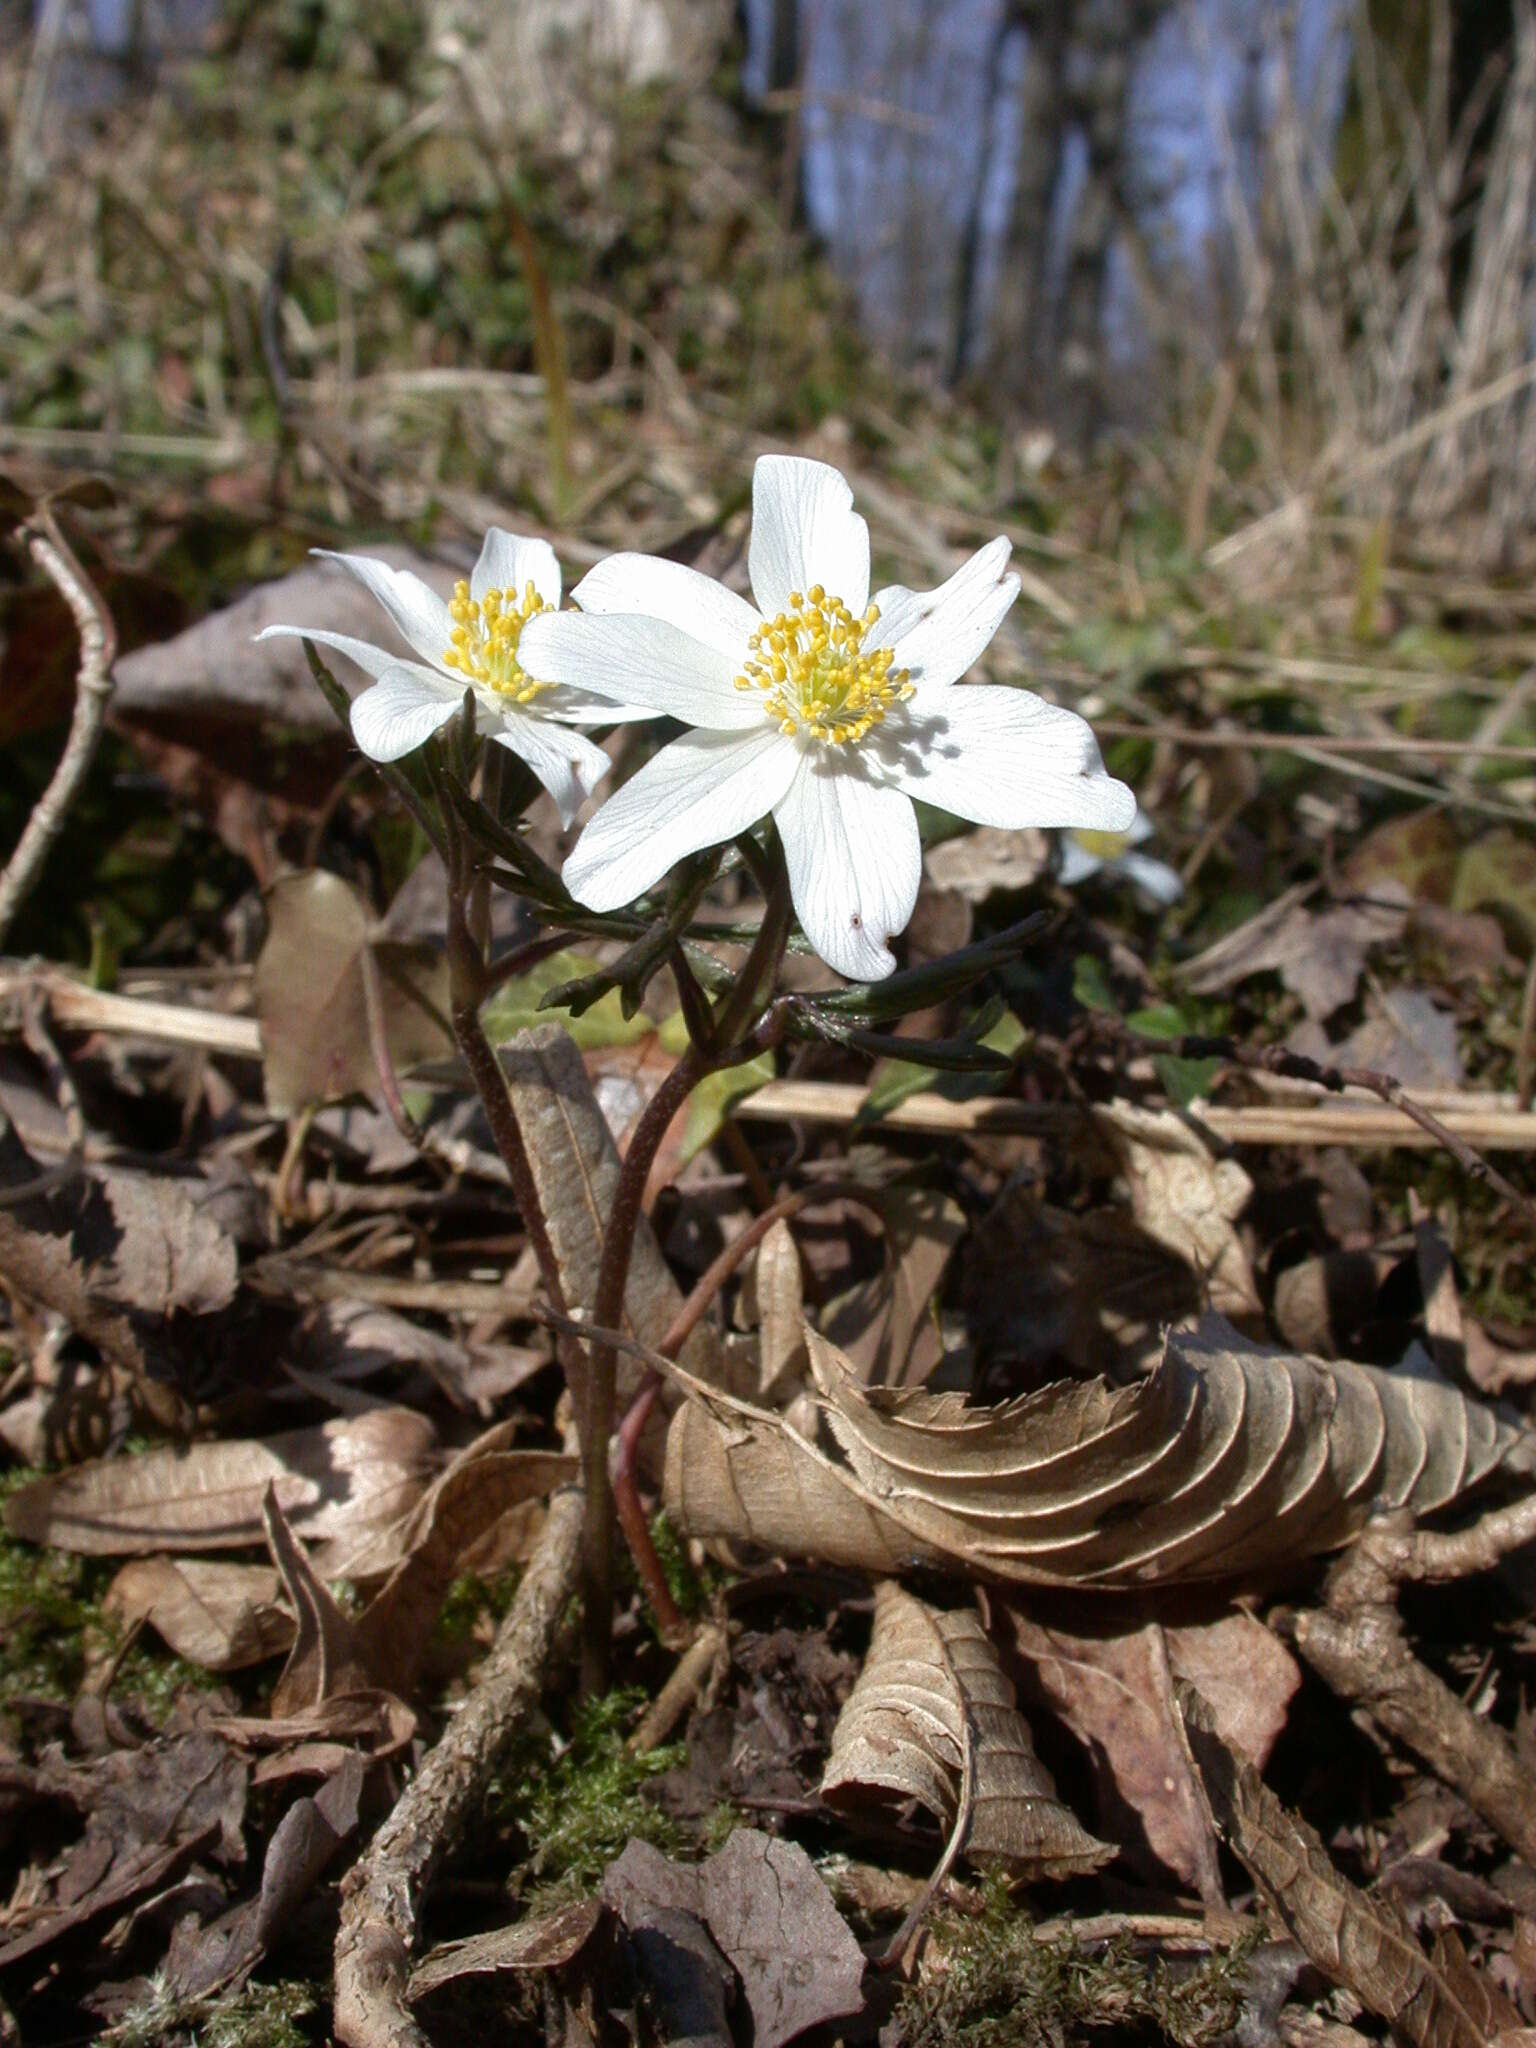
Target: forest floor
{"type": "Point", "coordinates": [1246, 1202]}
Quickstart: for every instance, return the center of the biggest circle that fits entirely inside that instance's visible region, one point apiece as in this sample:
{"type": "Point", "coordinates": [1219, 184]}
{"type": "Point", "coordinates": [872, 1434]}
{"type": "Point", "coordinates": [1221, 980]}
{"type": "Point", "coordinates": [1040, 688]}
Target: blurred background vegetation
{"type": "Point", "coordinates": [1222, 309]}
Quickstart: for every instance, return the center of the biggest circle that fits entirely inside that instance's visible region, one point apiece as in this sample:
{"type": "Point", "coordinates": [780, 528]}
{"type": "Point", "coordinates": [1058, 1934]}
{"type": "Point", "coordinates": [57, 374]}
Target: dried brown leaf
{"type": "Point", "coordinates": [1112, 1684]}
{"type": "Point", "coordinates": [351, 1482]}
{"type": "Point", "coordinates": [1227, 1460]}
{"type": "Point", "coordinates": [1319, 955]}
{"type": "Point", "coordinates": [1186, 1199]}
{"type": "Point", "coordinates": [1360, 1941]}
{"type": "Point", "coordinates": [321, 970]}
{"type": "Point", "coordinates": [221, 1616]}
{"type": "Point", "coordinates": [880, 1324]}
{"type": "Point", "coordinates": [545, 1941]}
{"type": "Point", "coordinates": [776, 1922]}
{"type": "Point", "coordinates": [932, 1718]}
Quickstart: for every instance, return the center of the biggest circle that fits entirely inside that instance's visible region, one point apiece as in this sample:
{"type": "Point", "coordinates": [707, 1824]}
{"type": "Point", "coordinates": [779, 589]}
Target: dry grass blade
{"type": "Point", "coordinates": [1361, 1942]}
{"type": "Point", "coordinates": [1228, 1461]}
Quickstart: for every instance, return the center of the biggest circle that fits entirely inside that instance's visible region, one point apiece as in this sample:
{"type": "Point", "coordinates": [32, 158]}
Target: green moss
{"type": "Point", "coordinates": [52, 1627]}
{"type": "Point", "coordinates": [578, 1812]}
{"type": "Point", "coordinates": [996, 1983]}
{"type": "Point", "coordinates": [255, 2016]}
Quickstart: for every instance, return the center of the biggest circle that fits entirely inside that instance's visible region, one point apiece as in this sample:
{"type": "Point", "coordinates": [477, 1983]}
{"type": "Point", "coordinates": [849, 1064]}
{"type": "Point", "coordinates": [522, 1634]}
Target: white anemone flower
{"type": "Point", "coordinates": [814, 705]}
{"type": "Point", "coordinates": [1084, 854]}
{"type": "Point", "coordinates": [473, 642]}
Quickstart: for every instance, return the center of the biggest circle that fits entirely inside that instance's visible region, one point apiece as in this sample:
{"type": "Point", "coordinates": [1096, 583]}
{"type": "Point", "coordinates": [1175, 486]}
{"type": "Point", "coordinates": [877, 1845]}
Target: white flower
{"type": "Point", "coordinates": [473, 642]}
{"type": "Point", "coordinates": [815, 705]}
{"type": "Point", "coordinates": [1091, 853]}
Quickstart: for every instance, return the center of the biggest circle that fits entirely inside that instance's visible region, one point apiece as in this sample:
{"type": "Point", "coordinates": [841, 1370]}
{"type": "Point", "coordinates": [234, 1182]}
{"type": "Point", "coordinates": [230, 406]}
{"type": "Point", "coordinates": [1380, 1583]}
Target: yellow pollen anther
{"type": "Point", "coordinates": [814, 673]}
{"type": "Point", "coordinates": [483, 644]}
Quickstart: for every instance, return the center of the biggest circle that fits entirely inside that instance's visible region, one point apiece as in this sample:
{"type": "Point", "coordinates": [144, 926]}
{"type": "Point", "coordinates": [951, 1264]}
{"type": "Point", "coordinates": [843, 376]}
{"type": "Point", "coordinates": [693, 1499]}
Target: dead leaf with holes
{"type": "Point", "coordinates": [1357, 1939]}
{"type": "Point", "coordinates": [932, 1718]}
{"type": "Point", "coordinates": [1226, 1462]}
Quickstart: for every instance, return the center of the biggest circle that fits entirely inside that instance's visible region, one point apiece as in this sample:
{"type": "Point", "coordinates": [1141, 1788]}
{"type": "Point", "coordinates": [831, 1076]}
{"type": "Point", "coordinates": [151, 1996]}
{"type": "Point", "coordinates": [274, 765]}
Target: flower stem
{"type": "Point", "coordinates": [734, 1039]}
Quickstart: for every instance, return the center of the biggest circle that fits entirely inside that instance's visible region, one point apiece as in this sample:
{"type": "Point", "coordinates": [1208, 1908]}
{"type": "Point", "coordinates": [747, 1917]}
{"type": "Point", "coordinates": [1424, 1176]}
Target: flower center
{"type": "Point", "coordinates": [486, 631]}
{"type": "Point", "coordinates": [1103, 845]}
{"type": "Point", "coordinates": [814, 673]}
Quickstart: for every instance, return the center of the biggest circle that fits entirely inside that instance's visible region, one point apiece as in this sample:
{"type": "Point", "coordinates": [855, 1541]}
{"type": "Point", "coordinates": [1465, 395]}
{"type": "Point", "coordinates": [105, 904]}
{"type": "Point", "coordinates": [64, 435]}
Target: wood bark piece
{"type": "Point", "coordinates": [1358, 1645]}
{"type": "Point", "coordinates": [382, 1893]}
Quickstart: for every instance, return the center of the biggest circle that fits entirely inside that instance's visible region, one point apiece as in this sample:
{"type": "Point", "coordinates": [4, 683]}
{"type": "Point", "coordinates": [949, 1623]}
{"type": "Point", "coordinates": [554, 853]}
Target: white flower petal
{"type": "Point", "coordinates": [575, 707]}
{"type": "Point", "coordinates": [398, 714]}
{"type": "Point", "coordinates": [508, 562]}
{"type": "Point", "coordinates": [1077, 863]}
{"type": "Point", "coordinates": [701, 790]}
{"type": "Point", "coordinates": [855, 862]}
{"type": "Point", "coordinates": [940, 647]}
{"type": "Point", "coordinates": [415, 609]}
{"type": "Point", "coordinates": [694, 603]}
{"type": "Point", "coordinates": [1151, 877]}
{"type": "Point", "coordinates": [901, 610]}
{"type": "Point", "coordinates": [373, 661]}
{"type": "Point", "coordinates": [1005, 757]}
{"type": "Point", "coordinates": [567, 763]}
{"type": "Point", "coordinates": [639, 661]}
{"type": "Point", "coordinates": [1141, 830]}
{"type": "Point", "coordinates": [805, 531]}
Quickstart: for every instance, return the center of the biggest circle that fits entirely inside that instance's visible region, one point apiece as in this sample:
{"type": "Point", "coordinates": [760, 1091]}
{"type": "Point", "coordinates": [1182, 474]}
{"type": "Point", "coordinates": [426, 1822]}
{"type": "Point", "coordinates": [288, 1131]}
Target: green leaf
{"type": "Point", "coordinates": [895, 1079]}
{"type": "Point", "coordinates": [710, 1103]}
{"type": "Point", "coordinates": [518, 1006]}
{"type": "Point", "coordinates": [1499, 871]}
{"type": "Point", "coordinates": [1090, 983]}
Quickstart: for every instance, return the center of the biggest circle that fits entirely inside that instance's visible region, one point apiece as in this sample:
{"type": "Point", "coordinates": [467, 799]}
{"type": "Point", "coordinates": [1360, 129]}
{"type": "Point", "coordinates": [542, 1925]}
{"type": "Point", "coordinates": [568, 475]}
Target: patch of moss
{"type": "Point", "coordinates": [996, 1983]}
{"type": "Point", "coordinates": [52, 1627]}
{"type": "Point", "coordinates": [254, 2016]}
{"type": "Point", "coordinates": [578, 1812]}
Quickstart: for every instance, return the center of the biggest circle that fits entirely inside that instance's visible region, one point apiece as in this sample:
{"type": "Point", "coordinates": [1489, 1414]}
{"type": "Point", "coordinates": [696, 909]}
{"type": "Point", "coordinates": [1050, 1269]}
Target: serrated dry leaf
{"type": "Point", "coordinates": [1226, 1461]}
{"type": "Point", "coordinates": [777, 1294]}
{"type": "Point", "coordinates": [351, 1483]}
{"type": "Point", "coordinates": [932, 1718]}
{"type": "Point", "coordinates": [221, 1616]}
{"type": "Point", "coordinates": [1186, 1199]}
{"type": "Point", "coordinates": [1356, 1939]}
{"type": "Point", "coordinates": [324, 965]}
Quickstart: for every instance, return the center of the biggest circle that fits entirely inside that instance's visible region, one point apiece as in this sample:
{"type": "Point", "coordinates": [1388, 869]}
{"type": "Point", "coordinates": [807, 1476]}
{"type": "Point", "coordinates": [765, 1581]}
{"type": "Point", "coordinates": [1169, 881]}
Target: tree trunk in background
{"type": "Point", "coordinates": [1012, 360]}
{"type": "Point", "coordinates": [1077, 75]}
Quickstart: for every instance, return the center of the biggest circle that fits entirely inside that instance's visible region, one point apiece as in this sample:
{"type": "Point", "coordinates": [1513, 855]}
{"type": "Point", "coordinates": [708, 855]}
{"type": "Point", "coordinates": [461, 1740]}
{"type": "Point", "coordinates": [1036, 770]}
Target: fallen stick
{"type": "Point", "coordinates": [382, 1893]}
{"type": "Point", "coordinates": [1493, 1122]}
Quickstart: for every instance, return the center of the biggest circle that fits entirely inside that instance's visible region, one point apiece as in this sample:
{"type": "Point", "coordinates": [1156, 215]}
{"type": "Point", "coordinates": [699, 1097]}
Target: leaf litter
{"type": "Point", "coordinates": [973, 1480]}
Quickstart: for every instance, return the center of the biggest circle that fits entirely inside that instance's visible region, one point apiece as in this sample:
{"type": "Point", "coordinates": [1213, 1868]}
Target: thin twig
{"type": "Point", "coordinates": [382, 1893]}
{"type": "Point", "coordinates": [93, 690]}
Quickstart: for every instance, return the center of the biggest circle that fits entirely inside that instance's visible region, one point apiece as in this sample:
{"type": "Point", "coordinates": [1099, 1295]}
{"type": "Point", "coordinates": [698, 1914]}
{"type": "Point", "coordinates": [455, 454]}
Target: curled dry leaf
{"type": "Point", "coordinates": [1360, 1940]}
{"type": "Point", "coordinates": [932, 1718]}
{"type": "Point", "coordinates": [350, 1483]}
{"type": "Point", "coordinates": [1226, 1461]}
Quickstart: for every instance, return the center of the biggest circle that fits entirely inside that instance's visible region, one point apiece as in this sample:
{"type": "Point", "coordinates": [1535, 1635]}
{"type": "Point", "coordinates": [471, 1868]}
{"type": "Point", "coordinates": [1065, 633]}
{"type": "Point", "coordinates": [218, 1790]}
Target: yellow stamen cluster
{"type": "Point", "coordinates": [814, 674]}
{"type": "Point", "coordinates": [486, 631]}
{"type": "Point", "coordinates": [1103, 845]}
